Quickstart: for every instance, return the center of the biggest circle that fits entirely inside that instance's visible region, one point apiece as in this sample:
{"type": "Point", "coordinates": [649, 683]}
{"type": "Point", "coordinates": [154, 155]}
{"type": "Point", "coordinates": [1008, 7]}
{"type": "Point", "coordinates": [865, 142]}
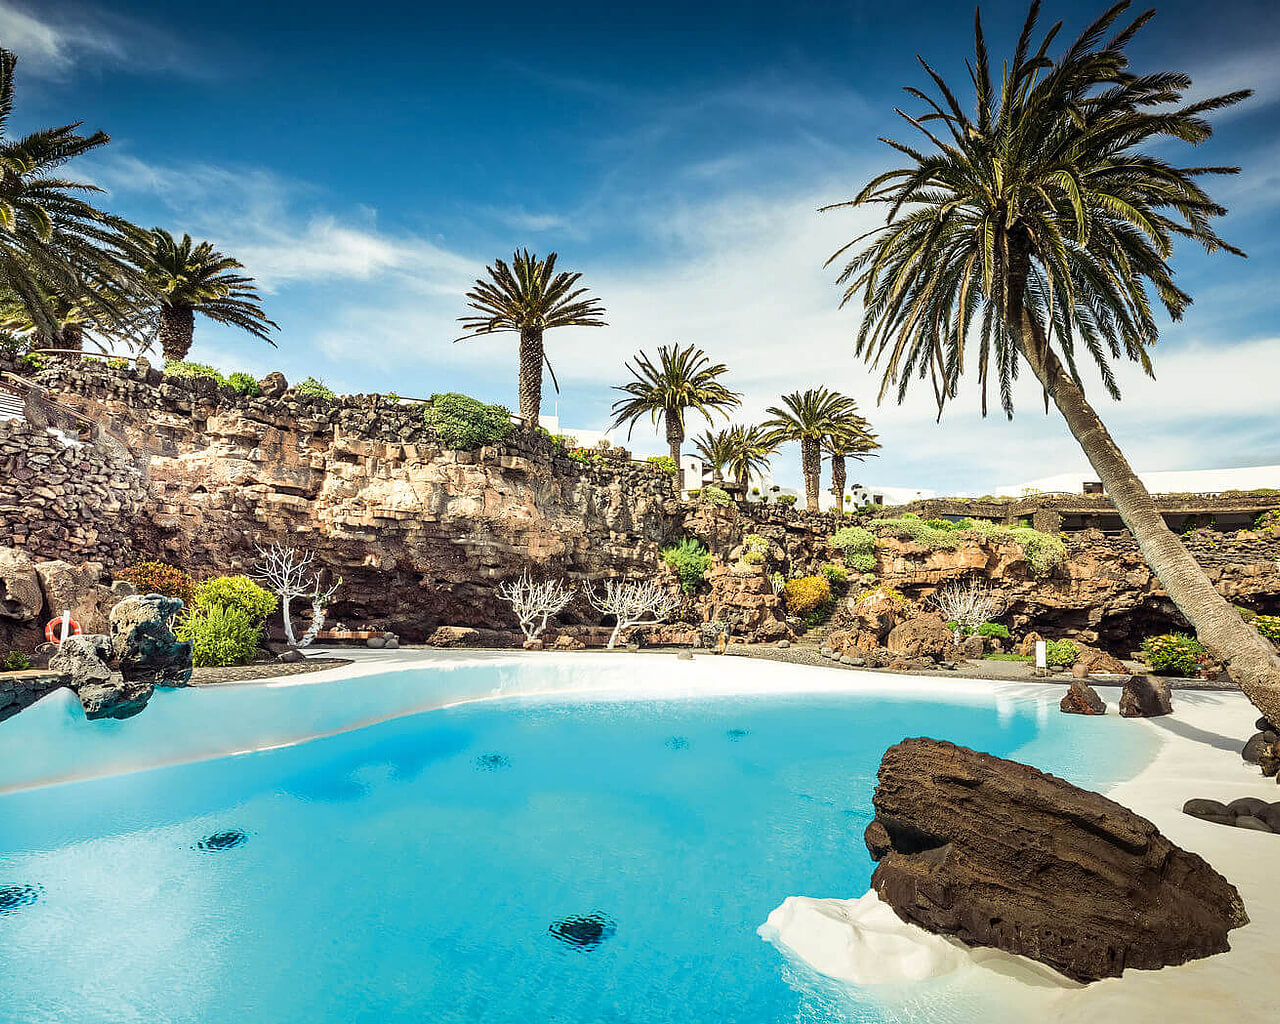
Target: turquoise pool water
{"type": "Point", "coordinates": [520, 860]}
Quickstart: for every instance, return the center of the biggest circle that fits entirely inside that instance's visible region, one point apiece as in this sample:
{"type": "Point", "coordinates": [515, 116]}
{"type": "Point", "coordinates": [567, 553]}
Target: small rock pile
{"type": "Point", "coordinates": [1247, 812]}
{"type": "Point", "coordinates": [1263, 749]}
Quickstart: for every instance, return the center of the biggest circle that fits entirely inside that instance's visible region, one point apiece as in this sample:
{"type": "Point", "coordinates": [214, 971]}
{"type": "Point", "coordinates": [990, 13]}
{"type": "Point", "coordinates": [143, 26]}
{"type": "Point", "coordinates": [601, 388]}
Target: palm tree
{"type": "Point", "coordinates": [752, 447]}
{"type": "Point", "coordinates": [682, 379]}
{"type": "Point", "coordinates": [1040, 226]}
{"type": "Point", "coordinates": [808, 417]}
{"type": "Point", "coordinates": [77, 321]}
{"type": "Point", "coordinates": [529, 297]}
{"type": "Point", "coordinates": [190, 278]}
{"type": "Point", "coordinates": [716, 448]}
{"type": "Point", "coordinates": [854, 441]}
{"type": "Point", "coordinates": [56, 249]}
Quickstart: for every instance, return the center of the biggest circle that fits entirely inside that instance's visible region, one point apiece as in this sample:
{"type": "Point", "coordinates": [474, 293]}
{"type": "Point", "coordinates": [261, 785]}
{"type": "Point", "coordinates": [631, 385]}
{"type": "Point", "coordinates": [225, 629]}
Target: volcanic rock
{"type": "Point", "coordinates": [1082, 699]}
{"type": "Point", "coordinates": [82, 660]}
{"type": "Point", "coordinates": [925, 636]}
{"type": "Point", "coordinates": [142, 634]}
{"type": "Point", "coordinates": [999, 854]}
{"type": "Point", "coordinates": [1145, 697]}
{"type": "Point", "coordinates": [20, 597]}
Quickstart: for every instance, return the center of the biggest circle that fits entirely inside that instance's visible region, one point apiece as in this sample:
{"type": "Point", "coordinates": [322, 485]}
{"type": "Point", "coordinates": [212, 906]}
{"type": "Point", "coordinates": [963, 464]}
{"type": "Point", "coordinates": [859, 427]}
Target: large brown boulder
{"type": "Point", "coordinates": [925, 636]}
{"type": "Point", "coordinates": [876, 613]}
{"type": "Point", "coordinates": [1146, 697]}
{"type": "Point", "coordinates": [1000, 854]}
{"type": "Point", "coordinates": [79, 589]}
{"type": "Point", "coordinates": [20, 597]}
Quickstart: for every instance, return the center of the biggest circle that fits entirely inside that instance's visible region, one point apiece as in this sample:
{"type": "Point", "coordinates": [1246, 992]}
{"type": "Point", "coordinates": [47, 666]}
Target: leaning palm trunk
{"type": "Point", "coordinates": [837, 480]}
{"type": "Point", "coordinates": [1249, 658]}
{"type": "Point", "coordinates": [531, 357]}
{"type": "Point", "coordinates": [811, 466]}
{"type": "Point", "coordinates": [675, 437]}
{"type": "Point", "coordinates": [177, 328]}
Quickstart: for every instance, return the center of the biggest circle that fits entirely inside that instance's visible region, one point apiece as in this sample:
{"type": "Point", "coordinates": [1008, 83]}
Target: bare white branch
{"type": "Point", "coordinates": [535, 602]}
{"type": "Point", "coordinates": [630, 602]}
{"type": "Point", "coordinates": [289, 574]}
{"type": "Point", "coordinates": [968, 603]}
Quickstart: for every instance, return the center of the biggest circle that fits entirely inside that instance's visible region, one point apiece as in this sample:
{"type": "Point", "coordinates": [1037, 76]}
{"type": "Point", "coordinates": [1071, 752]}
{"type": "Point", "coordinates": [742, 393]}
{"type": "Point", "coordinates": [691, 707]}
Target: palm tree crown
{"type": "Point", "coordinates": [192, 278]}
{"type": "Point", "coordinates": [682, 379]}
{"type": "Point", "coordinates": [528, 296]}
{"type": "Point", "coordinates": [54, 244]}
{"type": "Point", "coordinates": [854, 440]}
{"type": "Point", "coordinates": [808, 417]}
{"type": "Point", "coordinates": [716, 448]}
{"type": "Point", "coordinates": [1038, 226]}
{"type": "Point", "coordinates": [751, 448]}
{"type": "Point", "coordinates": [1040, 198]}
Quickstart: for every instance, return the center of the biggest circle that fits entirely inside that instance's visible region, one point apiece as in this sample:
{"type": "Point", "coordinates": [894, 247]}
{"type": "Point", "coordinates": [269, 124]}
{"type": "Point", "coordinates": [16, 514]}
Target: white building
{"type": "Point", "coordinates": [1177, 481]}
{"type": "Point", "coordinates": [585, 438]}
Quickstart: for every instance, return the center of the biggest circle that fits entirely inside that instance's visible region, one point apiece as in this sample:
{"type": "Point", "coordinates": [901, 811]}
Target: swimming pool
{"type": "Point", "coordinates": [597, 842]}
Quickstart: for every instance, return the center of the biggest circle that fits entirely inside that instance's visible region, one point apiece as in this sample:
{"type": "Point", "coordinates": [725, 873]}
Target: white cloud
{"type": "Point", "coordinates": [49, 47]}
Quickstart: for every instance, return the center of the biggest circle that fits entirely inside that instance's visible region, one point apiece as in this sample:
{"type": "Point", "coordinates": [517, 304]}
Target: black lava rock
{"type": "Point", "coordinates": [584, 931]}
{"type": "Point", "coordinates": [14, 897]}
{"type": "Point", "coordinates": [492, 762]}
{"type": "Point", "coordinates": [217, 842]}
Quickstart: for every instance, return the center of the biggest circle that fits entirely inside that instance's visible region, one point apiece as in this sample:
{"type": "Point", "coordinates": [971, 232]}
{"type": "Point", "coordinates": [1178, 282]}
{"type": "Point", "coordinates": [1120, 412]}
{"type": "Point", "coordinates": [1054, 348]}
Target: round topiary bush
{"type": "Point", "coordinates": [806, 594]}
{"type": "Point", "coordinates": [716, 496]}
{"type": "Point", "coordinates": [465, 423]}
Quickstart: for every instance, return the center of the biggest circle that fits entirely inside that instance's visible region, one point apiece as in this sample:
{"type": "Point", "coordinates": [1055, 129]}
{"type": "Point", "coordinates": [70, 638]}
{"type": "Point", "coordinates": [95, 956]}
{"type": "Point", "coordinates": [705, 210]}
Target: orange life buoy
{"type": "Point", "coordinates": [53, 631]}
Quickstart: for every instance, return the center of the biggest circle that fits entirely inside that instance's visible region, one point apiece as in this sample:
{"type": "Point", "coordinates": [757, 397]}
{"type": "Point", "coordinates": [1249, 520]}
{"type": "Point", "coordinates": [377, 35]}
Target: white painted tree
{"type": "Point", "coordinates": [630, 602]}
{"type": "Point", "coordinates": [968, 603]}
{"type": "Point", "coordinates": [535, 601]}
{"type": "Point", "coordinates": [289, 574]}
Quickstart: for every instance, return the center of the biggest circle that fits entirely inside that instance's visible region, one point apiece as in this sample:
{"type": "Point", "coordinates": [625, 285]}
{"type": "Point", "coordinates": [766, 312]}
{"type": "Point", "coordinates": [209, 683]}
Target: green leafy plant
{"type": "Point", "coordinates": [858, 546]}
{"type": "Point", "coordinates": [187, 371]}
{"type": "Point", "coordinates": [786, 500]}
{"type": "Point", "coordinates": [994, 629]}
{"type": "Point", "coordinates": [236, 592]}
{"type": "Point", "coordinates": [694, 493]}
{"type": "Point", "coordinates": [244, 384]}
{"type": "Point", "coordinates": [1268, 626]}
{"type": "Point", "coordinates": [716, 496]}
{"type": "Point", "coordinates": [153, 577]}
{"type": "Point", "coordinates": [1269, 520]}
{"type": "Point", "coordinates": [465, 423]}
{"type": "Point", "coordinates": [690, 560]}
{"type": "Point", "coordinates": [806, 594]}
{"type": "Point", "coordinates": [896, 597]}
{"type": "Point", "coordinates": [1173, 654]}
{"type": "Point", "coordinates": [665, 463]}
{"type": "Point", "coordinates": [837, 576]}
{"type": "Point", "coordinates": [1060, 653]}
{"type": "Point", "coordinates": [313, 388]}
{"type": "Point", "coordinates": [15, 661]}
{"type": "Point", "coordinates": [220, 636]}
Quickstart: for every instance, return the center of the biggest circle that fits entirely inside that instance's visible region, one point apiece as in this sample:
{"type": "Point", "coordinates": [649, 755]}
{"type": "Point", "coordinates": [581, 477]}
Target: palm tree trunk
{"type": "Point", "coordinates": [811, 466]}
{"type": "Point", "coordinates": [837, 480]}
{"type": "Point", "coordinates": [177, 330]}
{"type": "Point", "coordinates": [675, 436]}
{"type": "Point", "coordinates": [531, 359]}
{"type": "Point", "coordinates": [71, 336]}
{"type": "Point", "coordinates": [1249, 657]}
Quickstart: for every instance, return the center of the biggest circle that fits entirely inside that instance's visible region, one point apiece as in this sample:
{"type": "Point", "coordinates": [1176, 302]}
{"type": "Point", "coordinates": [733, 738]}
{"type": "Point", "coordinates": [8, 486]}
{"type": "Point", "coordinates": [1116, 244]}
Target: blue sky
{"type": "Point", "coordinates": [365, 163]}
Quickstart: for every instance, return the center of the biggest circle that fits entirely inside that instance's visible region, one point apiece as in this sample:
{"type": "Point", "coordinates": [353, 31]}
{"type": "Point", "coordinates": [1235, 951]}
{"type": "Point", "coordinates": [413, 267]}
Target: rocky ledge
{"type": "Point", "coordinates": [1000, 854]}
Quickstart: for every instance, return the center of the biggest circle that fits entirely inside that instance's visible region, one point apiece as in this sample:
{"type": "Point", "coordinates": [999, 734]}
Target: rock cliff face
{"type": "Point", "coordinates": [421, 535]}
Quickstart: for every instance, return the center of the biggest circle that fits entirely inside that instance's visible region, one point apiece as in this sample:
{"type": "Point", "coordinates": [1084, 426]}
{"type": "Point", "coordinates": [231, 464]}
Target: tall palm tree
{"type": "Point", "coordinates": [193, 277]}
{"type": "Point", "coordinates": [78, 320]}
{"type": "Point", "coordinates": [530, 297]}
{"type": "Point", "coordinates": [808, 417]}
{"type": "Point", "coordinates": [752, 447]}
{"type": "Point", "coordinates": [855, 441]}
{"type": "Point", "coordinates": [57, 249]}
{"type": "Point", "coordinates": [716, 448]}
{"type": "Point", "coordinates": [682, 379]}
{"type": "Point", "coordinates": [1040, 224]}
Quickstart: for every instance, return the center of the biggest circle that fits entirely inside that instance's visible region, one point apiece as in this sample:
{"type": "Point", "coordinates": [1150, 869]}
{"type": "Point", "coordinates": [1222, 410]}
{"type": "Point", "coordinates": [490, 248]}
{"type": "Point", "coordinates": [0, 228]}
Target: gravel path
{"type": "Point", "coordinates": [262, 670]}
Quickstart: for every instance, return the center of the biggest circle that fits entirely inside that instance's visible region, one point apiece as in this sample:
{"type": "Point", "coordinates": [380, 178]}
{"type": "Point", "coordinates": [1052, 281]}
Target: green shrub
{"type": "Point", "coordinates": [752, 558]}
{"type": "Point", "coordinates": [806, 594]}
{"type": "Point", "coordinates": [178, 368]}
{"type": "Point", "coordinates": [1268, 626]}
{"type": "Point", "coordinates": [858, 546]}
{"type": "Point", "coordinates": [994, 629]}
{"type": "Point", "coordinates": [786, 500]}
{"type": "Point", "coordinates": [665, 463]}
{"type": "Point", "coordinates": [690, 561]}
{"type": "Point", "coordinates": [244, 384]}
{"type": "Point", "coordinates": [896, 597]}
{"type": "Point", "coordinates": [755, 542]}
{"type": "Point", "coordinates": [219, 636]}
{"type": "Point", "coordinates": [152, 577]}
{"type": "Point", "coordinates": [464, 423]}
{"type": "Point", "coordinates": [1172, 654]}
{"type": "Point", "coordinates": [1269, 520]}
{"type": "Point", "coordinates": [1060, 653]}
{"type": "Point", "coordinates": [15, 661]}
{"type": "Point", "coordinates": [236, 592]}
{"type": "Point", "coordinates": [694, 492]}
{"type": "Point", "coordinates": [913, 528]}
{"type": "Point", "coordinates": [837, 576]}
{"type": "Point", "coordinates": [716, 496]}
{"type": "Point", "coordinates": [312, 388]}
{"type": "Point", "coordinates": [1044, 551]}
